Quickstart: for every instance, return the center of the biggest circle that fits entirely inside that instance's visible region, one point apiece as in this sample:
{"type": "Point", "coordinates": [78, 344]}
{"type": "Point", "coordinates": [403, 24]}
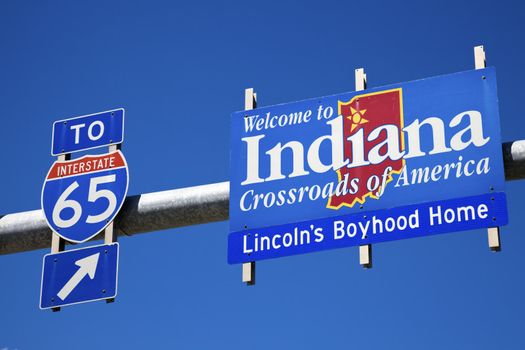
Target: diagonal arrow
{"type": "Point", "coordinates": [87, 266]}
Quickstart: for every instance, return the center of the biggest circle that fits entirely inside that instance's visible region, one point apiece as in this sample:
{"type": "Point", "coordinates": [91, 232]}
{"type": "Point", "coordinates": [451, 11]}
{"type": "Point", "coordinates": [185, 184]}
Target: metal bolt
{"type": "Point", "coordinates": [103, 291]}
{"type": "Point", "coordinates": [55, 260]}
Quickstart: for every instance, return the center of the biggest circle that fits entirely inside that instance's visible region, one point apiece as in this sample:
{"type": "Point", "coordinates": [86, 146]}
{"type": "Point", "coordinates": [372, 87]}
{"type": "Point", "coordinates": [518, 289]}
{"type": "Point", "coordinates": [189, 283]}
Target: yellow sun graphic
{"type": "Point", "coordinates": [357, 118]}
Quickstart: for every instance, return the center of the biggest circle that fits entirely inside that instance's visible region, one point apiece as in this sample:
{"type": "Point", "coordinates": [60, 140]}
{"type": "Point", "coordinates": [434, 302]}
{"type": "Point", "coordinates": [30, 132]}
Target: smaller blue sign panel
{"type": "Point", "coordinates": [80, 275]}
{"type": "Point", "coordinates": [89, 131]}
{"type": "Point", "coordinates": [377, 226]}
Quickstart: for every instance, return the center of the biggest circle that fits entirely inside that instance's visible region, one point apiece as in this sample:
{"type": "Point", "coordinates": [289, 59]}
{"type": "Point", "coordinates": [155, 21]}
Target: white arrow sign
{"type": "Point", "coordinates": [87, 266]}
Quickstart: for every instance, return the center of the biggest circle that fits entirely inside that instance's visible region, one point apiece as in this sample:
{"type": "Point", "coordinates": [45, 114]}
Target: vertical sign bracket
{"type": "Point", "coordinates": [492, 232]}
{"type": "Point", "coordinates": [365, 251]}
{"type": "Point", "coordinates": [248, 269]}
{"type": "Point", "coordinates": [110, 234]}
{"type": "Point", "coordinates": [58, 244]}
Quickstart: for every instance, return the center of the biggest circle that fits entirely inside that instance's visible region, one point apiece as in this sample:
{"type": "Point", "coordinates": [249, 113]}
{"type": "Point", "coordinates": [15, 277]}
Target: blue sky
{"type": "Point", "coordinates": [180, 69]}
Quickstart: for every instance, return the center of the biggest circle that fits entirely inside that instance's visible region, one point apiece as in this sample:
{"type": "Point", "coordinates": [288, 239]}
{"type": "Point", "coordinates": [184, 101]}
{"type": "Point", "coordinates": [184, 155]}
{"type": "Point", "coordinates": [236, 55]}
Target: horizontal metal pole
{"type": "Point", "coordinates": [514, 160]}
{"type": "Point", "coordinates": [174, 208]}
{"type": "Point", "coordinates": [143, 213]}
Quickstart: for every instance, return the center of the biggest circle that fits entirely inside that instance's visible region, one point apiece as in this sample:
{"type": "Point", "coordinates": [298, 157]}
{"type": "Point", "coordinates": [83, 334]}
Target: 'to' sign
{"type": "Point", "coordinates": [89, 131]}
{"type": "Point", "coordinates": [81, 197]}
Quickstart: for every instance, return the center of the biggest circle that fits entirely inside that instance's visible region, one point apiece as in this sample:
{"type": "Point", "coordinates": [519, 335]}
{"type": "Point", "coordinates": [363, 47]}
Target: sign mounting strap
{"type": "Point", "coordinates": [58, 244]}
{"type": "Point", "coordinates": [110, 234]}
{"type": "Point", "coordinates": [480, 62]}
{"type": "Point", "coordinates": [365, 251]}
{"type": "Point", "coordinates": [248, 269]}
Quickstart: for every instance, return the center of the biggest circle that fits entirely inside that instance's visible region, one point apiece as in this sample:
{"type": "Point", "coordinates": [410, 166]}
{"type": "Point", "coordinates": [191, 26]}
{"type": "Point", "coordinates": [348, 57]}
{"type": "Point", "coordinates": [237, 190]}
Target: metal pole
{"type": "Point", "coordinates": [143, 213]}
{"type": "Point", "coordinates": [110, 234]}
{"type": "Point", "coordinates": [156, 211]}
{"type": "Point", "coordinates": [514, 160]}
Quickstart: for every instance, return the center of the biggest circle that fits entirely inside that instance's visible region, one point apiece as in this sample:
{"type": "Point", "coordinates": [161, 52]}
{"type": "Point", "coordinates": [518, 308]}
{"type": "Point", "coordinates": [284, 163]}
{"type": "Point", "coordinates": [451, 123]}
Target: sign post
{"type": "Point", "coordinates": [365, 251]}
{"type": "Point", "coordinates": [80, 199]}
{"type": "Point", "coordinates": [492, 232]}
{"type": "Point", "coordinates": [58, 244]}
{"type": "Point", "coordinates": [248, 268]}
{"type": "Point", "coordinates": [110, 235]}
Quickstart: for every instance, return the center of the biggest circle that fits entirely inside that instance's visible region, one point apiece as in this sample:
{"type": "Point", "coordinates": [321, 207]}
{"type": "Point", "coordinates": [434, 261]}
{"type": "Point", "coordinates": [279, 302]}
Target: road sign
{"type": "Point", "coordinates": [81, 197]}
{"type": "Point", "coordinates": [401, 161]}
{"type": "Point", "coordinates": [79, 275]}
{"type": "Point", "coordinates": [88, 131]}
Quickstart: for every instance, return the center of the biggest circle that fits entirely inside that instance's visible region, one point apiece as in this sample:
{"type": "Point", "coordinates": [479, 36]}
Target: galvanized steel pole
{"type": "Point", "coordinates": [143, 213]}
{"type": "Point", "coordinates": [173, 208]}
{"type": "Point", "coordinates": [514, 160]}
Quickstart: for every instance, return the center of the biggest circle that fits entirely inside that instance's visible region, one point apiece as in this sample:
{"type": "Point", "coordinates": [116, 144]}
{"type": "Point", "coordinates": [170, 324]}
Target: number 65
{"type": "Point", "coordinates": [93, 195]}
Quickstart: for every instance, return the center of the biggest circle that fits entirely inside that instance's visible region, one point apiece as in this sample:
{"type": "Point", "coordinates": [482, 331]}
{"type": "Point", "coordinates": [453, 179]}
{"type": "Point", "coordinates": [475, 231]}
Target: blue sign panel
{"type": "Point", "coordinates": [375, 226]}
{"type": "Point", "coordinates": [81, 197]}
{"type": "Point", "coordinates": [80, 275]}
{"type": "Point", "coordinates": [394, 162]}
{"type": "Point", "coordinates": [89, 131]}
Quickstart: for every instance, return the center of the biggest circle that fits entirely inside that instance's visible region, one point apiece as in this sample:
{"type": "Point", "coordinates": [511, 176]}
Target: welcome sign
{"type": "Point", "coordinates": [401, 161]}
